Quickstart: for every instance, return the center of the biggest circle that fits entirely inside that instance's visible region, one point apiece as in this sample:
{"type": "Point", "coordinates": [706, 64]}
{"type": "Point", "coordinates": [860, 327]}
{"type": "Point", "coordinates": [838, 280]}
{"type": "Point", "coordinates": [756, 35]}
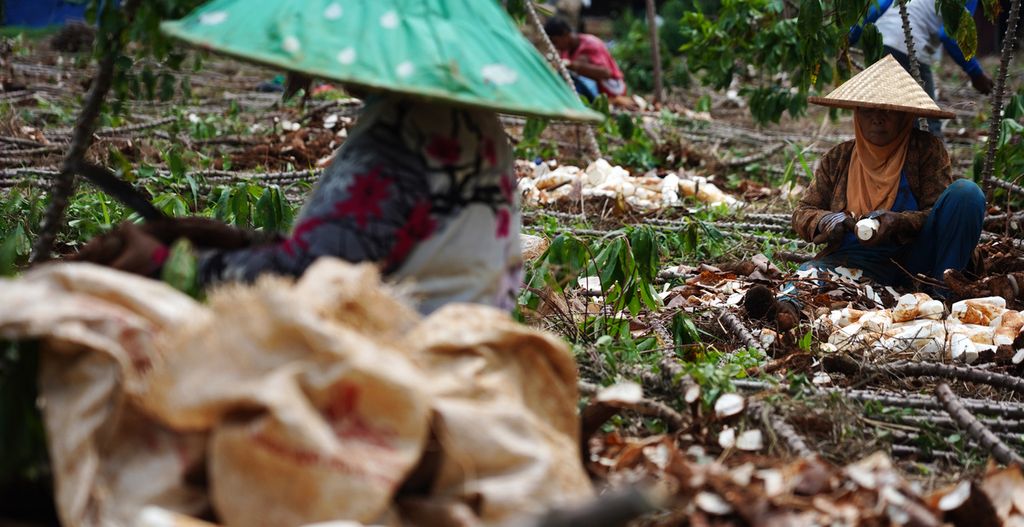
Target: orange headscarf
{"type": "Point", "coordinates": [874, 178]}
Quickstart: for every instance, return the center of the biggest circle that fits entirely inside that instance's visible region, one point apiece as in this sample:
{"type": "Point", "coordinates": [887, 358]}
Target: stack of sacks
{"type": "Point", "coordinates": [540, 185]}
{"type": "Point", "coordinates": [918, 324]}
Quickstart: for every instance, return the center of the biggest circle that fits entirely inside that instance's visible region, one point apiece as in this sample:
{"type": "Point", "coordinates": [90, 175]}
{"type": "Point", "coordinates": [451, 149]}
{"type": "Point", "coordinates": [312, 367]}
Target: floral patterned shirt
{"type": "Point", "coordinates": [424, 189]}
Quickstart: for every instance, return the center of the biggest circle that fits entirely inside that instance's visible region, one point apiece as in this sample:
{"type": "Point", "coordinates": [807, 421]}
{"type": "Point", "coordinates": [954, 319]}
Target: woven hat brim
{"type": "Point", "coordinates": [853, 105]}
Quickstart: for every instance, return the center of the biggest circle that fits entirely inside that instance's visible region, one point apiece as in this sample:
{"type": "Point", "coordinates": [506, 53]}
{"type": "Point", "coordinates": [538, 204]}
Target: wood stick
{"type": "Point", "coordinates": [915, 67]}
{"type": "Point", "coordinates": [734, 326]}
{"type": "Point", "coordinates": [975, 428]}
{"type": "Point", "coordinates": [673, 420]}
{"type": "Point", "coordinates": [556, 59]}
{"type": "Point", "coordinates": [995, 121]}
{"type": "Point", "coordinates": [64, 186]}
{"type": "Point", "coordinates": [652, 28]}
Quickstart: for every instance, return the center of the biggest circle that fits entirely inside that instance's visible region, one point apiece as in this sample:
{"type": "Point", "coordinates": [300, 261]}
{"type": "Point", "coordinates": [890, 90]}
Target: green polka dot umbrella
{"type": "Point", "coordinates": [462, 51]}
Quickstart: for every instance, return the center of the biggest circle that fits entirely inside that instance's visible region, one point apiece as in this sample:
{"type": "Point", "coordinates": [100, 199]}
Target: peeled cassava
{"type": "Point", "coordinates": [916, 305]}
{"type": "Point", "coordinates": [1010, 324]}
{"type": "Point", "coordinates": [866, 229]}
{"type": "Point", "coordinates": [979, 310]}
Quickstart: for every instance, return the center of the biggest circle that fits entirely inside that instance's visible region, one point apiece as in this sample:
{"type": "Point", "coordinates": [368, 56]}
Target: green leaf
{"type": "Point", "coordinates": [149, 82]}
{"type": "Point", "coordinates": [268, 213]}
{"type": "Point", "coordinates": [180, 270]}
{"type": "Point", "coordinates": [22, 434]}
{"type": "Point", "coordinates": [810, 18]}
{"type": "Point", "coordinates": [175, 163]}
{"type": "Point", "coordinates": [951, 11]}
{"type": "Point", "coordinates": [805, 341]}
{"type": "Point", "coordinates": [871, 43]}
{"type": "Point", "coordinates": [533, 129]}
{"type": "Point", "coordinates": [645, 253]}
{"type": "Point", "coordinates": [608, 264]}
{"type": "Point", "coordinates": [967, 36]}
{"type": "Point", "coordinates": [9, 254]}
{"type": "Point", "coordinates": [166, 86]}
{"type": "Point", "coordinates": [239, 205]}
{"type": "Point", "coordinates": [626, 126]}
{"type": "Point", "coordinates": [992, 9]}
{"type": "Point", "coordinates": [684, 331]}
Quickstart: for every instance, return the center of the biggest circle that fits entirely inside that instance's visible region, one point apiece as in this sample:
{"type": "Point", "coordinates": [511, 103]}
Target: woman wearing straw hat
{"type": "Point", "coordinates": [424, 185]}
{"type": "Point", "coordinates": [925, 222]}
{"type": "Point", "coordinates": [898, 176]}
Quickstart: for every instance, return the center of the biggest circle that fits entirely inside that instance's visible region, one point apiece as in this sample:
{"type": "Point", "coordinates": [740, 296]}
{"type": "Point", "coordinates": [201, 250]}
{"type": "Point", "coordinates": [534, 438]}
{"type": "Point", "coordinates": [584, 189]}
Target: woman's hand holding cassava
{"type": "Point", "coordinates": [832, 227]}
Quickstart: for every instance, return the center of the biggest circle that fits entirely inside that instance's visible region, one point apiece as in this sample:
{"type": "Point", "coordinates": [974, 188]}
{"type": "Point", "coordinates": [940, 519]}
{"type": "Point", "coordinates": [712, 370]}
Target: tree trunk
{"type": "Point", "coordinates": [652, 26]}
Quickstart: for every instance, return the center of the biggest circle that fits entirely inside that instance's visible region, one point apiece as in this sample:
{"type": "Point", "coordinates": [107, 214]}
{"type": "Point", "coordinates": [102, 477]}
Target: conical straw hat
{"type": "Point", "coordinates": [465, 52]}
{"type": "Point", "coordinates": [885, 85]}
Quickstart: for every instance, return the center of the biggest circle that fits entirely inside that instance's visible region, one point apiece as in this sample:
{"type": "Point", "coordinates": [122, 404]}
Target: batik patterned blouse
{"type": "Point", "coordinates": [424, 189]}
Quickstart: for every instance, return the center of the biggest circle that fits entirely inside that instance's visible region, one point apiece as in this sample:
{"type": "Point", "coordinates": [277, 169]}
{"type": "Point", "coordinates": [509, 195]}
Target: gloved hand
{"type": "Point", "coordinates": [886, 227]}
{"type": "Point", "coordinates": [127, 248]}
{"type": "Point", "coordinates": [832, 227]}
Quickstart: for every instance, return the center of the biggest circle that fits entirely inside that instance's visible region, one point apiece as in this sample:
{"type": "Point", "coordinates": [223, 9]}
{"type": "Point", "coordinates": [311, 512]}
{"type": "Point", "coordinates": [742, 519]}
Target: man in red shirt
{"type": "Point", "coordinates": [586, 56]}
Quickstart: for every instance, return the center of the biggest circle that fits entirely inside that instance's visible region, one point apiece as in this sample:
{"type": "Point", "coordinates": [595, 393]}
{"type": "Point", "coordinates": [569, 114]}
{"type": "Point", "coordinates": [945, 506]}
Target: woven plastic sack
{"type": "Point", "coordinates": [290, 404]}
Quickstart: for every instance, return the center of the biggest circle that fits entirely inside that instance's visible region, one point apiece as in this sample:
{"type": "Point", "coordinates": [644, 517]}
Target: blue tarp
{"type": "Point", "coordinates": [42, 13]}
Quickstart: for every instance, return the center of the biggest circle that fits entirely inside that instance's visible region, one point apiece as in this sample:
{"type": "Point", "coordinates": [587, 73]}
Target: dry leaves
{"type": "Point", "coordinates": [755, 491]}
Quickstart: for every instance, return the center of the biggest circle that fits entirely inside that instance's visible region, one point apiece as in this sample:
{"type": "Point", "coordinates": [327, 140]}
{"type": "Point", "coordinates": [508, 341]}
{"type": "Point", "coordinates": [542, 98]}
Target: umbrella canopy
{"type": "Point", "coordinates": [465, 52]}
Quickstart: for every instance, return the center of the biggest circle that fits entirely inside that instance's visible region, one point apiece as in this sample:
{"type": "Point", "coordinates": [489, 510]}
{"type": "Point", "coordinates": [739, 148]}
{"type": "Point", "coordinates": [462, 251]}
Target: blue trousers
{"type": "Point", "coordinates": [585, 86]}
{"type": "Point", "coordinates": [946, 242]}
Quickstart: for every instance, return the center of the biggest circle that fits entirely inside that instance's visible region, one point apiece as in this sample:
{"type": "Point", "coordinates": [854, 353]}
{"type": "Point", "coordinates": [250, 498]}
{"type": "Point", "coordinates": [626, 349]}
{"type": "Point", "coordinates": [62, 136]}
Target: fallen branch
{"type": "Point", "coordinates": [797, 258]}
{"type": "Point", "coordinates": [673, 420]}
{"type": "Point", "coordinates": [771, 218]}
{"type": "Point", "coordinates": [779, 426]}
{"type": "Point", "coordinates": [998, 221]}
{"type": "Point", "coordinates": [734, 326]}
{"type": "Point", "coordinates": [753, 158]}
{"type": "Point", "coordinates": [920, 453]}
{"type": "Point", "coordinates": [996, 424]}
{"type": "Point", "coordinates": [896, 400]}
{"type": "Point", "coordinates": [767, 227]}
{"type": "Point", "coordinates": [960, 373]}
{"type": "Point", "coordinates": [772, 239]}
{"type": "Point", "coordinates": [31, 152]}
{"type": "Point", "coordinates": [1006, 185]}
{"type": "Point", "coordinates": [660, 332]}
{"type": "Point", "coordinates": [975, 428]}
{"type": "Point", "coordinates": [29, 143]}
{"type": "Point", "coordinates": [353, 105]}
{"type": "Point", "coordinates": [670, 380]}
{"type": "Point", "coordinates": [128, 129]}
{"type": "Point", "coordinates": [850, 367]}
